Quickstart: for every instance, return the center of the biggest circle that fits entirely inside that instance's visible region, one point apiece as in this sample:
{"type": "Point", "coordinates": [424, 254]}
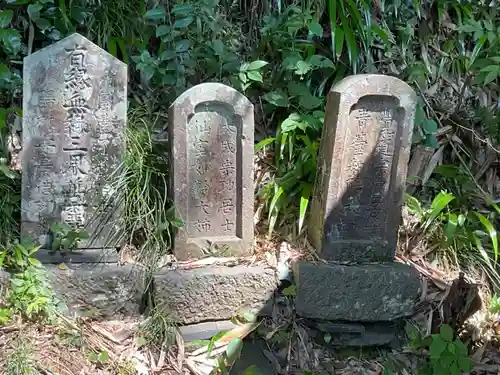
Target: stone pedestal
{"type": "Point", "coordinates": [356, 209]}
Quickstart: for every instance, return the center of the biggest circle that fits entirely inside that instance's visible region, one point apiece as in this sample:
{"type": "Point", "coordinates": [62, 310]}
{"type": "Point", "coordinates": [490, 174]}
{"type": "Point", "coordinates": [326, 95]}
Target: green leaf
{"type": "Point", "coordinates": [6, 17]}
{"type": "Point", "coordinates": [257, 64]}
{"type": "Point", "coordinates": [420, 116]}
{"type": "Point", "coordinates": [302, 68]}
{"type": "Point", "coordinates": [491, 76]}
{"type": "Point", "coordinates": [183, 9]}
{"type": "Point", "coordinates": [254, 75]}
{"type": "Point", "coordinates": [104, 356]}
{"type": "Point", "coordinates": [491, 231]}
{"type": "Point", "coordinates": [309, 101]}
{"type": "Point", "coordinates": [437, 346]}
{"type": "Point", "coordinates": [315, 29]}
{"type": "Point", "coordinates": [430, 126]}
{"type": "Point", "coordinates": [264, 143]}
{"type": "Point", "coordinates": [461, 349]}
{"type": "Point", "coordinates": [304, 202]}
{"type": "Point", "coordinates": [184, 22]}
{"type": "Point", "coordinates": [339, 41]}
{"type": "Point", "coordinates": [290, 291]}
{"type": "Point", "coordinates": [218, 47]}
{"type": "Point", "coordinates": [168, 79]}
{"type": "Point", "coordinates": [233, 349]}
{"type": "Point", "coordinates": [34, 11]}
{"type": "Point", "coordinates": [11, 40]}
{"type": "Point", "coordinates": [465, 364]}
{"type": "Point", "coordinates": [155, 14]}
{"type": "Point", "coordinates": [291, 123]}
{"type": "Point", "coordinates": [413, 204]}
{"type": "Point", "coordinates": [327, 337]}
{"type": "Point", "coordinates": [162, 30]}
{"type": "Point", "coordinates": [182, 45]}
{"type": "Point", "coordinates": [297, 89]}
{"type": "Point", "coordinates": [438, 204]}
{"type": "Point", "coordinates": [275, 199]}
{"type": "Point", "coordinates": [5, 75]}
{"type": "Point", "coordinates": [318, 61]}
{"type": "Point", "coordinates": [140, 341]}
{"type": "Point", "coordinates": [446, 332]}
{"type": "Point", "coordinates": [277, 98]}
{"type": "Point", "coordinates": [43, 24]}
{"type": "Point", "coordinates": [451, 226]}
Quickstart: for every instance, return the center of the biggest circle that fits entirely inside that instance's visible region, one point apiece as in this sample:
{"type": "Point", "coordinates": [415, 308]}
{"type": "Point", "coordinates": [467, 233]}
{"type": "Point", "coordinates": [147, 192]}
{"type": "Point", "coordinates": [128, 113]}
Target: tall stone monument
{"type": "Point", "coordinates": [362, 167]}
{"type": "Point", "coordinates": [356, 206]}
{"type": "Point", "coordinates": [211, 134]}
{"type": "Point", "coordinates": [74, 117]}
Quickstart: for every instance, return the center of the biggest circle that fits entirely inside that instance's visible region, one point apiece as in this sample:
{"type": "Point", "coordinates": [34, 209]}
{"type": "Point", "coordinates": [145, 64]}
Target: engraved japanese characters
{"type": "Point", "coordinates": [74, 116]}
{"type": "Point", "coordinates": [362, 166]}
{"type": "Point", "coordinates": [211, 134]}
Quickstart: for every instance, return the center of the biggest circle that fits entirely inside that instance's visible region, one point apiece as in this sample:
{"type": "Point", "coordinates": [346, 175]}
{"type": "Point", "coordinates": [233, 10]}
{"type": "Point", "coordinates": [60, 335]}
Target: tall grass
{"type": "Point", "coordinates": [142, 187]}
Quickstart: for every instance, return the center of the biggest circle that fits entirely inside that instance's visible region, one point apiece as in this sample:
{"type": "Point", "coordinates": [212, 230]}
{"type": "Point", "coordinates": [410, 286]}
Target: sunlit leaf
{"type": "Point", "coordinates": [257, 64]}
{"type": "Point", "coordinates": [233, 349]}
{"type": "Point", "coordinates": [254, 75]}
{"type": "Point", "coordinates": [264, 143]}
{"type": "Point", "coordinates": [491, 231]}
{"type": "Point", "coordinates": [304, 202]}
{"type": "Point", "coordinates": [438, 204]}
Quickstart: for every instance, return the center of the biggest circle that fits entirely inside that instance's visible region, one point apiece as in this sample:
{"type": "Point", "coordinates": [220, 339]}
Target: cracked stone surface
{"type": "Point", "coordinates": [369, 292]}
{"type": "Point", "coordinates": [214, 293]}
{"type": "Point", "coordinates": [107, 290]}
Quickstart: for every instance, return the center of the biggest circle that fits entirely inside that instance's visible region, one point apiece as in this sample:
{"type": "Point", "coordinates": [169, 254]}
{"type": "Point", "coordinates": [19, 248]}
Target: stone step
{"type": "Point", "coordinates": [368, 292]}
{"type": "Point", "coordinates": [214, 293]}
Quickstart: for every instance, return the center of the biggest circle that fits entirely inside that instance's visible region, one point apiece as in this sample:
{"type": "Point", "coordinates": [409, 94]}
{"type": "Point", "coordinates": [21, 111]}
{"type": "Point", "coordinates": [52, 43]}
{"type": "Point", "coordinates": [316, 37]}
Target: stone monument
{"type": "Point", "coordinates": [356, 206]}
{"type": "Point", "coordinates": [74, 117]}
{"type": "Point", "coordinates": [211, 129]}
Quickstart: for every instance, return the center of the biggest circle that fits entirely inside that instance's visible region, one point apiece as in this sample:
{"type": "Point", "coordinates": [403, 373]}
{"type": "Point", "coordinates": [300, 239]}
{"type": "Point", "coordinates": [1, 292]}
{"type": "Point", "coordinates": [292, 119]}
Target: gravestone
{"type": "Point", "coordinates": [211, 128]}
{"type": "Point", "coordinates": [362, 167]}
{"type": "Point", "coordinates": [356, 210]}
{"type": "Point", "coordinates": [74, 117]}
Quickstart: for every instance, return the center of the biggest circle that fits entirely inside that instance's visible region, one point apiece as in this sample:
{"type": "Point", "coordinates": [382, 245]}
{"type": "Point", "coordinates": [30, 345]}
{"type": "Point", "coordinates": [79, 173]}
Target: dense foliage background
{"type": "Point", "coordinates": [285, 56]}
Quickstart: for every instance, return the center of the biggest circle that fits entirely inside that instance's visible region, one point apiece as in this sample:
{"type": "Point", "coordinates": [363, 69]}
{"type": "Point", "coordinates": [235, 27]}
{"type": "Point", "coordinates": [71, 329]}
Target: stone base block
{"type": "Point", "coordinates": [106, 290]}
{"type": "Point", "coordinates": [214, 293]}
{"type": "Point", "coordinates": [370, 292]}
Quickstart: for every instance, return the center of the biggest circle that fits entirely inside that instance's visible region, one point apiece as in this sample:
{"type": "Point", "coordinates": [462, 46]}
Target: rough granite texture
{"type": "Point", "coordinates": [106, 290]}
{"type": "Point", "coordinates": [370, 292]}
{"type": "Point", "coordinates": [214, 293]}
{"type": "Point", "coordinates": [74, 117]}
{"type": "Point", "coordinates": [362, 168]}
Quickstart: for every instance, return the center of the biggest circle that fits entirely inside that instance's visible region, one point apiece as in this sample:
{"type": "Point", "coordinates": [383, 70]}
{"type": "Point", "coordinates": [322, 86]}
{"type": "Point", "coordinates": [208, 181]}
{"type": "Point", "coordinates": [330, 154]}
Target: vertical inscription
{"type": "Point", "coordinates": [372, 136]}
{"type": "Point", "coordinates": [77, 91]}
{"type": "Point", "coordinates": [212, 174]}
{"type": "Point", "coordinates": [67, 86]}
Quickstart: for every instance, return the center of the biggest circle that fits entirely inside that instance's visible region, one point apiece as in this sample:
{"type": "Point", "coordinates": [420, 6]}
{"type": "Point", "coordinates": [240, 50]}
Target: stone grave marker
{"type": "Point", "coordinates": [74, 117]}
{"type": "Point", "coordinates": [356, 212]}
{"type": "Point", "coordinates": [211, 128]}
{"type": "Point", "coordinates": [362, 168]}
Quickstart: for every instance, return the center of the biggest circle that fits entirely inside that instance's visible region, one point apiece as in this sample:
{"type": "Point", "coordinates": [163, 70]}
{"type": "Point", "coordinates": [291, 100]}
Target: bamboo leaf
{"type": "Point", "coordinates": [491, 231]}
{"type": "Point", "coordinates": [438, 204]}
